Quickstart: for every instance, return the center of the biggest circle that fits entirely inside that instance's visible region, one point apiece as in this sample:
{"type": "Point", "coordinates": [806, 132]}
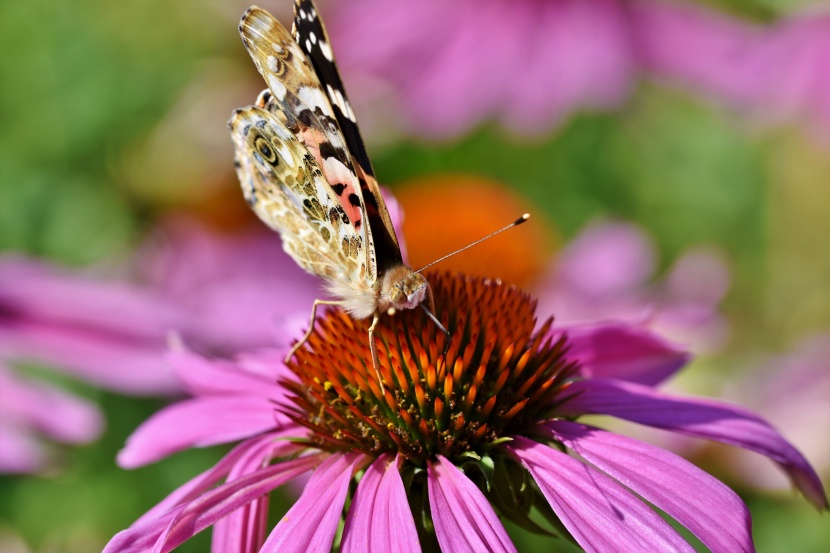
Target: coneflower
{"type": "Point", "coordinates": [464, 431]}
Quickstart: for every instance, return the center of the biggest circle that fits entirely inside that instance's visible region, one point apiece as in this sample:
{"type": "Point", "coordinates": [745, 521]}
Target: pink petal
{"type": "Point", "coordinates": [310, 525]}
{"type": "Point", "coordinates": [701, 503]}
{"type": "Point", "coordinates": [577, 54]}
{"type": "Point", "coordinates": [264, 447]}
{"type": "Point", "coordinates": [120, 363]}
{"type": "Point", "coordinates": [203, 376]}
{"type": "Point", "coordinates": [607, 259]}
{"type": "Point", "coordinates": [20, 452]}
{"type": "Point", "coordinates": [175, 527]}
{"type": "Point", "coordinates": [46, 293]}
{"type": "Point", "coordinates": [244, 530]}
{"type": "Point", "coordinates": [48, 410]}
{"type": "Point", "coordinates": [227, 282]}
{"type": "Point", "coordinates": [696, 417]}
{"type": "Point", "coordinates": [225, 499]}
{"type": "Point", "coordinates": [199, 422]}
{"type": "Point", "coordinates": [599, 513]}
{"type": "Point", "coordinates": [379, 517]}
{"type": "Point", "coordinates": [462, 516]}
{"type": "Point", "coordinates": [624, 352]}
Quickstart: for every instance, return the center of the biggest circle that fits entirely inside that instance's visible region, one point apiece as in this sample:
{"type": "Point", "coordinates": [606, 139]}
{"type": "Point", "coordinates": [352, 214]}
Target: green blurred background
{"type": "Point", "coordinates": [113, 113]}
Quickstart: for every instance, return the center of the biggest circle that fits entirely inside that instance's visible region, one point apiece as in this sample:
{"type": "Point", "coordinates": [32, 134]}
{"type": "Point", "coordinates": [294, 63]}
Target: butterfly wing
{"type": "Point", "coordinates": [309, 33]}
{"type": "Point", "coordinates": [285, 186]}
{"type": "Point", "coordinates": [298, 100]}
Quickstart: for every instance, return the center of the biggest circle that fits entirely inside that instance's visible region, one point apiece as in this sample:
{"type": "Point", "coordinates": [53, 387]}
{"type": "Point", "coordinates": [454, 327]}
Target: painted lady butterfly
{"type": "Point", "coordinates": [305, 172]}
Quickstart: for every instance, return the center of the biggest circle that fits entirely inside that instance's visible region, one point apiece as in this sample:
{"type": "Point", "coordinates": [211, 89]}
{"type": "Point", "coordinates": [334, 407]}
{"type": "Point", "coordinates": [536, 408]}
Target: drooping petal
{"type": "Point", "coordinates": [379, 517]}
{"type": "Point", "coordinates": [244, 530]}
{"type": "Point", "coordinates": [199, 422]}
{"type": "Point", "coordinates": [698, 501]}
{"type": "Point", "coordinates": [624, 352]}
{"type": "Point", "coordinates": [703, 418]}
{"type": "Point", "coordinates": [310, 525]}
{"type": "Point", "coordinates": [267, 446]}
{"type": "Point", "coordinates": [462, 516]}
{"type": "Point", "coordinates": [218, 503]}
{"type": "Point", "coordinates": [599, 513]}
{"type": "Point", "coordinates": [173, 528]}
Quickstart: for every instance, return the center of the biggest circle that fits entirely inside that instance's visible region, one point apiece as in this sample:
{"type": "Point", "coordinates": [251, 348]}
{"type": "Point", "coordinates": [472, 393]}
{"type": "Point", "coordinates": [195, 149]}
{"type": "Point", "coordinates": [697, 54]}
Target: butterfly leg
{"type": "Point", "coordinates": [374, 349]}
{"type": "Point", "coordinates": [308, 332]}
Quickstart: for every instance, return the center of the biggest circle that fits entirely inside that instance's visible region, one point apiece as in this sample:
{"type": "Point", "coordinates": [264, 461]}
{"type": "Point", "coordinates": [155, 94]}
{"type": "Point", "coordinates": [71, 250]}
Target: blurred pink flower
{"type": "Point", "coordinates": [31, 410]}
{"type": "Point", "coordinates": [232, 287]}
{"type": "Point", "coordinates": [327, 415]}
{"type": "Point", "coordinates": [794, 391]}
{"type": "Point", "coordinates": [221, 293]}
{"type": "Point", "coordinates": [775, 71]}
{"type": "Point", "coordinates": [605, 273]}
{"type": "Point", "coordinates": [527, 63]}
{"type": "Point", "coordinates": [104, 332]}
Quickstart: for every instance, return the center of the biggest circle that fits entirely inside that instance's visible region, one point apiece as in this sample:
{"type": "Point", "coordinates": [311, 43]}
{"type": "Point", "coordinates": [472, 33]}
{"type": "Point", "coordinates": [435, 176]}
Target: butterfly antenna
{"type": "Point", "coordinates": [515, 223]}
{"type": "Point", "coordinates": [438, 323]}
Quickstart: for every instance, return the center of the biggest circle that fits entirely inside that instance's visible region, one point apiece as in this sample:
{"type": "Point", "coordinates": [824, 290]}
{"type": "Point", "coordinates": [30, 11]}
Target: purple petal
{"type": "Point", "coordinates": [701, 503]}
{"type": "Point", "coordinates": [696, 417]}
{"type": "Point", "coordinates": [624, 352]}
{"type": "Point", "coordinates": [310, 525]}
{"type": "Point", "coordinates": [463, 518]}
{"type": "Point", "coordinates": [599, 513]}
{"type": "Point", "coordinates": [176, 526]}
{"type": "Point", "coordinates": [379, 517]}
{"type": "Point", "coordinates": [198, 422]}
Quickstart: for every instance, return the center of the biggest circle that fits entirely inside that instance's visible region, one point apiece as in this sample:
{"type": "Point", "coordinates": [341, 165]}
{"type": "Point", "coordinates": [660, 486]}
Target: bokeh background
{"type": "Point", "coordinates": [681, 148]}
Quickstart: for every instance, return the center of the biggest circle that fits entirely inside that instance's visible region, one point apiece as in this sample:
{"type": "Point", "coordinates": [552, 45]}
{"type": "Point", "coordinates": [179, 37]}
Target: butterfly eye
{"type": "Point", "coordinates": [265, 150]}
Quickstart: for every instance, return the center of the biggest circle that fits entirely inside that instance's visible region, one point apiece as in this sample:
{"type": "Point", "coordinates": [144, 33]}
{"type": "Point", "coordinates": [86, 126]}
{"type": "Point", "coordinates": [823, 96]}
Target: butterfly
{"type": "Point", "coordinates": [304, 170]}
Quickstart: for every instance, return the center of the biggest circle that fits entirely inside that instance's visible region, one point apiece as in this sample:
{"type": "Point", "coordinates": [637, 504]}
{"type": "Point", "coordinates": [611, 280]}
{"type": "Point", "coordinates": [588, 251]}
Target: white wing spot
{"type": "Point", "coordinates": [308, 45]}
{"type": "Point", "coordinates": [312, 37]}
{"type": "Point", "coordinates": [302, 14]}
{"type": "Point", "coordinates": [272, 64]}
{"type": "Point", "coordinates": [277, 47]}
{"type": "Point", "coordinates": [326, 49]}
{"type": "Point", "coordinates": [314, 98]}
{"type": "Point", "coordinates": [349, 112]}
{"type": "Point", "coordinates": [276, 87]}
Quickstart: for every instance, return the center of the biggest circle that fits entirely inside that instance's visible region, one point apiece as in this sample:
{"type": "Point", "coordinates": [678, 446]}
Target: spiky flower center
{"type": "Point", "coordinates": [498, 376]}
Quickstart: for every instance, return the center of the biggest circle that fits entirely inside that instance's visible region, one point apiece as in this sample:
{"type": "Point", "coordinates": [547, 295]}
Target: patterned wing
{"type": "Point", "coordinates": [310, 34]}
{"type": "Point", "coordinates": [285, 186]}
{"type": "Point", "coordinates": [298, 101]}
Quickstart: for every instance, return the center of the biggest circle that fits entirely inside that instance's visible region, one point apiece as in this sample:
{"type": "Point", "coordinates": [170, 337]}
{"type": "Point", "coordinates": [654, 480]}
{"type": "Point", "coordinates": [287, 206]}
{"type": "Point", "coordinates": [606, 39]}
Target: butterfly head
{"type": "Point", "coordinates": [402, 288]}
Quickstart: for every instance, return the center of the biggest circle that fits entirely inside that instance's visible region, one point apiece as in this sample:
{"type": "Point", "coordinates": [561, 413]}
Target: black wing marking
{"type": "Point", "coordinates": [310, 34]}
